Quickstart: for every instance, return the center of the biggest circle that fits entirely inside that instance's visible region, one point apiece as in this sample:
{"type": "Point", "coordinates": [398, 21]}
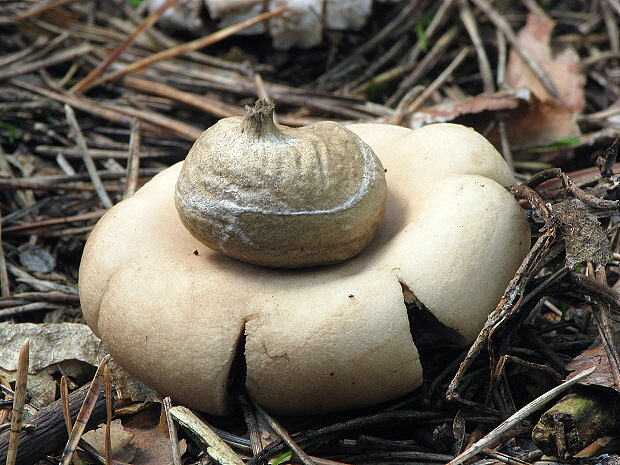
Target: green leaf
{"type": "Point", "coordinates": [12, 132]}
{"type": "Point", "coordinates": [420, 29]}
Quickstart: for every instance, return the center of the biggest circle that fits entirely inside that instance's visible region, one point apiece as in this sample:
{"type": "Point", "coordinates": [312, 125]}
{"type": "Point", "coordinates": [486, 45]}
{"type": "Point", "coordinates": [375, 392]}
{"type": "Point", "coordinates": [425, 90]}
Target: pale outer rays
{"type": "Point", "coordinates": [319, 339]}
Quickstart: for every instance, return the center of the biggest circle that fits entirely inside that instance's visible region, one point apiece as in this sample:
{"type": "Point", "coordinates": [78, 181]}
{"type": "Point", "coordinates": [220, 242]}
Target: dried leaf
{"type": "Point", "coordinates": [543, 124]}
{"type": "Point", "coordinates": [593, 357]}
{"type": "Point", "coordinates": [68, 348]}
{"type": "Point", "coordinates": [503, 101]}
{"type": "Point", "coordinates": [151, 443]}
{"type": "Point", "coordinates": [120, 439]}
{"type": "Point", "coordinates": [37, 259]}
{"type": "Point", "coordinates": [552, 120]}
{"type": "Point", "coordinates": [563, 69]}
{"type": "Point", "coordinates": [585, 239]}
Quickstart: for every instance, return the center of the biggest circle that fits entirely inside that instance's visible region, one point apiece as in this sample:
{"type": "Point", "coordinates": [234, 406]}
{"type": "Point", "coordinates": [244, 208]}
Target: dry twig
{"type": "Point", "coordinates": [17, 412]}
{"type": "Point", "coordinates": [500, 432]}
{"type": "Point", "coordinates": [85, 412]}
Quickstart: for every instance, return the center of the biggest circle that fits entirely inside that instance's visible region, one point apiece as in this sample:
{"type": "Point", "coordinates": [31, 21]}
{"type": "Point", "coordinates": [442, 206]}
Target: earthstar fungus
{"type": "Point", "coordinates": [321, 338]}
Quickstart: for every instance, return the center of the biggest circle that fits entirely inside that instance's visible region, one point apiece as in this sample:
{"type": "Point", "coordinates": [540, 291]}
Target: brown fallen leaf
{"type": "Point", "coordinates": [122, 449]}
{"type": "Point", "coordinates": [549, 120]}
{"type": "Point", "coordinates": [501, 101]}
{"type": "Point", "coordinates": [68, 348]}
{"type": "Point", "coordinates": [543, 124]}
{"type": "Point", "coordinates": [585, 238]}
{"type": "Point", "coordinates": [152, 445]}
{"type": "Point", "coordinates": [597, 357]}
